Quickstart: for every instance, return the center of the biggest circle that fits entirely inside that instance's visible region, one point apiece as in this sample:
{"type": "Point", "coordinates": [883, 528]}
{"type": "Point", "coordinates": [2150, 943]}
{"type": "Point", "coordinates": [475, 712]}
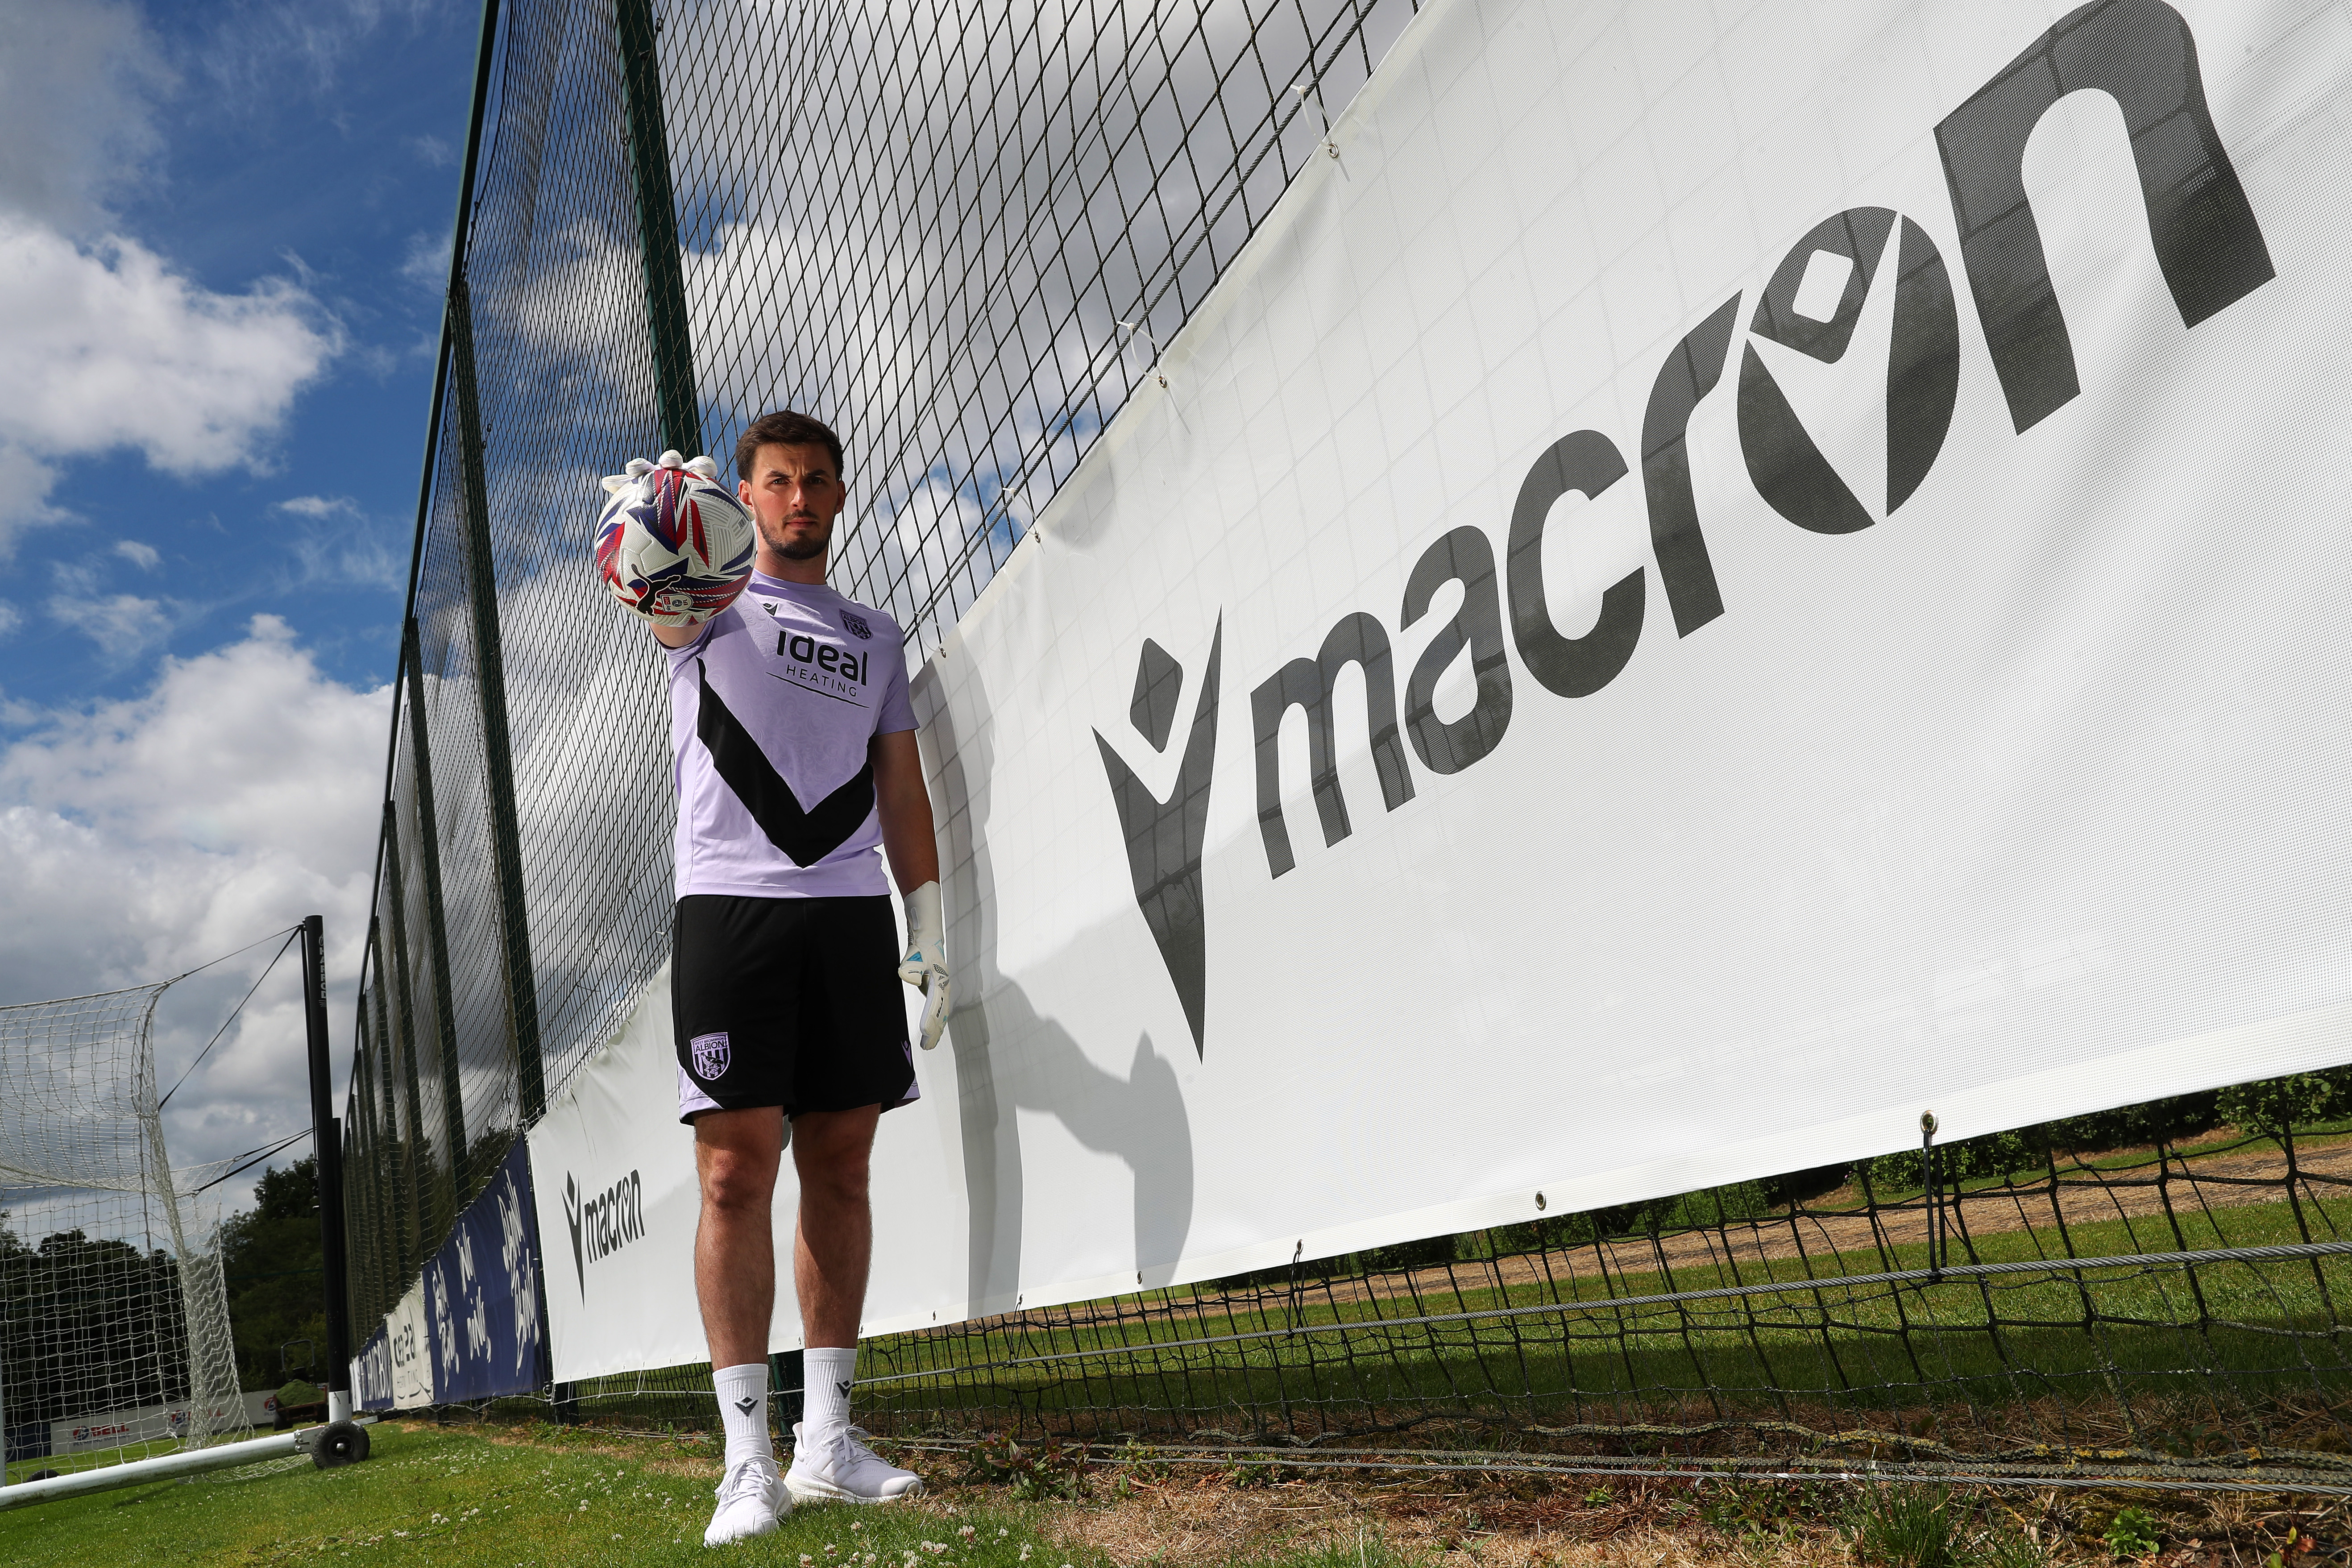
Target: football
{"type": "Point", "coordinates": [673, 543]}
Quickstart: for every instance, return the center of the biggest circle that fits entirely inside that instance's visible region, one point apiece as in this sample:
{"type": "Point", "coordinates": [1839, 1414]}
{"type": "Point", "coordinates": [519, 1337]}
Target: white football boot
{"type": "Point", "coordinates": [844, 1469]}
{"type": "Point", "coordinates": [752, 1498]}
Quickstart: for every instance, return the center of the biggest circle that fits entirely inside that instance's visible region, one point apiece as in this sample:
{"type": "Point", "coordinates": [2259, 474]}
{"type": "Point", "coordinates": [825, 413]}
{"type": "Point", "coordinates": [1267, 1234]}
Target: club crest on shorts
{"type": "Point", "coordinates": [857, 623]}
{"type": "Point", "coordinates": [710, 1056]}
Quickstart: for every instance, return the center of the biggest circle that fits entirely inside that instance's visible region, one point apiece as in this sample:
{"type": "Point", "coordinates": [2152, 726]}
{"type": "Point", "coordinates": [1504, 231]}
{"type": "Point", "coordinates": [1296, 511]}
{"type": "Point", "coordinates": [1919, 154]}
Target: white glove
{"type": "Point", "coordinates": [925, 967]}
{"type": "Point", "coordinates": [642, 571]}
{"type": "Point", "coordinates": [637, 469]}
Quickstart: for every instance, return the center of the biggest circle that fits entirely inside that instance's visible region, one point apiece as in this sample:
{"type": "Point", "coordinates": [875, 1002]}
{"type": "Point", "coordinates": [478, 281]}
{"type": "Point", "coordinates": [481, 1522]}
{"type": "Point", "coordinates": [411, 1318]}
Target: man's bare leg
{"type": "Point", "coordinates": [834, 1242]}
{"type": "Point", "coordinates": [831, 1249]}
{"type": "Point", "coordinates": [736, 1155]}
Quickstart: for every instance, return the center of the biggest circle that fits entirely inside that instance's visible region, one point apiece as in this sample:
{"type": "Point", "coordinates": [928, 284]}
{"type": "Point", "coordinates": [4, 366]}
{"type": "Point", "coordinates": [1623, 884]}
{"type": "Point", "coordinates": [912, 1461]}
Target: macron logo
{"type": "Point", "coordinates": [1164, 837]}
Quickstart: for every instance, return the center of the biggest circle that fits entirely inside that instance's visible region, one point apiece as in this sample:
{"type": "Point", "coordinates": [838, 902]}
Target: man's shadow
{"type": "Point", "coordinates": [1008, 1058]}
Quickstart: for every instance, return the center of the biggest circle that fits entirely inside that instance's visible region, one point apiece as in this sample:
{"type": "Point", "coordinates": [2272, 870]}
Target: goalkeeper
{"type": "Point", "coordinates": [794, 757]}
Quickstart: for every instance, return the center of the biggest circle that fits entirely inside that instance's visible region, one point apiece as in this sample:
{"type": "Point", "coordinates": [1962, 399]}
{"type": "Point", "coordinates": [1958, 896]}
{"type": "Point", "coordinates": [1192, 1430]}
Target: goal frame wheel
{"type": "Point", "coordinates": [340, 1443]}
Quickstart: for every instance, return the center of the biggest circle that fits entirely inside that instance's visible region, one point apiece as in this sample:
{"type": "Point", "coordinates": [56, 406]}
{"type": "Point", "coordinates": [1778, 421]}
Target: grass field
{"type": "Point", "coordinates": [487, 1498]}
{"type": "Point", "coordinates": [459, 1498]}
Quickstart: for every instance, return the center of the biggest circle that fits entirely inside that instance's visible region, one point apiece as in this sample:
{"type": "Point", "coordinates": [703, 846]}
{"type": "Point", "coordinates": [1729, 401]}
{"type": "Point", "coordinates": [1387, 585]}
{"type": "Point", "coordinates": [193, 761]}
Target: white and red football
{"type": "Point", "coordinates": [673, 543]}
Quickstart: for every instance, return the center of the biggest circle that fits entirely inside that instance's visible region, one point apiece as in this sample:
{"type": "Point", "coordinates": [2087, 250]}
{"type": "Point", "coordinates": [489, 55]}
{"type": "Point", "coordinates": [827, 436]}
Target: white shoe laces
{"type": "Point", "coordinates": [744, 1479]}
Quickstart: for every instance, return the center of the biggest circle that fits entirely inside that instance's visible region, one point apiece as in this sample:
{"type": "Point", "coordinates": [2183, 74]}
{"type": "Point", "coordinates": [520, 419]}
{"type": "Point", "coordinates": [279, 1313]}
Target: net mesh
{"type": "Point", "coordinates": [938, 263]}
{"type": "Point", "coordinates": [2167, 1311]}
{"type": "Point", "coordinates": [114, 1330]}
{"type": "Point", "coordinates": [960, 238]}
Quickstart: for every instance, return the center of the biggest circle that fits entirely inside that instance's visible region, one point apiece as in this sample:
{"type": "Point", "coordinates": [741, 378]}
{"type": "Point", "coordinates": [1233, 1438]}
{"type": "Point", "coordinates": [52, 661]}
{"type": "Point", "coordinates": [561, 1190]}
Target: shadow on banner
{"type": "Point", "coordinates": [483, 1312]}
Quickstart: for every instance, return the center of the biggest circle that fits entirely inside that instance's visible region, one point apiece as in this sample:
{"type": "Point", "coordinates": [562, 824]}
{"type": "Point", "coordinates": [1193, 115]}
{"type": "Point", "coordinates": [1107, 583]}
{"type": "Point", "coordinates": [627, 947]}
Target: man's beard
{"type": "Point", "coordinates": [810, 549]}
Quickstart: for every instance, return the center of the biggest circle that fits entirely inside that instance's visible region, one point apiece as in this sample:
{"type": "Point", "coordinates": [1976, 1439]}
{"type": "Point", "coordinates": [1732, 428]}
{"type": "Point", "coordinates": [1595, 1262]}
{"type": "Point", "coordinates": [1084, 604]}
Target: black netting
{"type": "Point", "coordinates": [934, 251]}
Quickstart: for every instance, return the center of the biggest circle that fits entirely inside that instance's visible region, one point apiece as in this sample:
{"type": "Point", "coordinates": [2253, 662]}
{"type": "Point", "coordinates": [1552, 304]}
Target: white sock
{"type": "Point", "coordinates": [825, 1409]}
{"type": "Point", "coordinates": [743, 1410]}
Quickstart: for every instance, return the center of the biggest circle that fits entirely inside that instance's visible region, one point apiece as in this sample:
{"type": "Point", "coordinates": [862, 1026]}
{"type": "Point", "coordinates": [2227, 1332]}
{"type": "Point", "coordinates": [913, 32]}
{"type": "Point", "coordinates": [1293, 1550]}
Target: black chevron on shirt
{"type": "Point", "coordinates": [806, 837]}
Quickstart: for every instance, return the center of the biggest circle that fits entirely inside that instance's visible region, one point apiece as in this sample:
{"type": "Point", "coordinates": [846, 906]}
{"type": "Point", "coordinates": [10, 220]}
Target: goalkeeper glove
{"type": "Point", "coordinates": [643, 570]}
{"type": "Point", "coordinates": [925, 967]}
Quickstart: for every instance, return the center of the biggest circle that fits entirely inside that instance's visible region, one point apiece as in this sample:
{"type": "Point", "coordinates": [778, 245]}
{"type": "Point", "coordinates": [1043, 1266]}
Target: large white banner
{"type": "Point", "coordinates": [1693, 596]}
{"type": "Point", "coordinates": [409, 1351]}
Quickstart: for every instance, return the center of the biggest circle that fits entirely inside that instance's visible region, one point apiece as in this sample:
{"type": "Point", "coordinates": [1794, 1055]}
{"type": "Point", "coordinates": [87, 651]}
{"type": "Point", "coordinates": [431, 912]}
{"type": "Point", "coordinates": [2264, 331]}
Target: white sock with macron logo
{"type": "Point", "coordinates": [825, 1409]}
{"type": "Point", "coordinates": [743, 1410]}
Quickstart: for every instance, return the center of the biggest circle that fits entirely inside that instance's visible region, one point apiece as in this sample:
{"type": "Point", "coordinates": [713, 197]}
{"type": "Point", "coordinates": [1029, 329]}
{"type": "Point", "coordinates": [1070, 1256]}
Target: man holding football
{"type": "Point", "coordinates": [793, 747]}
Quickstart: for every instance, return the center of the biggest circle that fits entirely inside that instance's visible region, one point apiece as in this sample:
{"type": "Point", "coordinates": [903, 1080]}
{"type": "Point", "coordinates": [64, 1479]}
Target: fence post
{"type": "Point", "coordinates": [363, 1224]}
{"type": "Point", "coordinates": [436, 927]}
{"type": "Point", "coordinates": [384, 1260]}
{"type": "Point", "coordinates": [681, 411]}
{"type": "Point", "coordinates": [393, 1149]}
{"type": "Point", "coordinates": [395, 886]}
{"type": "Point", "coordinates": [489, 666]}
{"type": "Point", "coordinates": [327, 1144]}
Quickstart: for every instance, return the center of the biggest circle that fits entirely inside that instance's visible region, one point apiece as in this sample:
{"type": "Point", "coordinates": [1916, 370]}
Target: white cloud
{"type": "Point", "coordinates": [11, 617]}
{"type": "Point", "coordinates": [143, 556]}
{"type": "Point", "coordinates": [124, 627]}
{"type": "Point", "coordinates": [76, 120]}
{"type": "Point", "coordinates": [337, 544]}
{"type": "Point", "coordinates": [258, 43]}
{"type": "Point", "coordinates": [432, 151]}
{"type": "Point", "coordinates": [141, 838]}
{"type": "Point", "coordinates": [320, 507]}
{"type": "Point", "coordinates": [426, 265]}
{"type": "Point", "coordinates": [111, 348]}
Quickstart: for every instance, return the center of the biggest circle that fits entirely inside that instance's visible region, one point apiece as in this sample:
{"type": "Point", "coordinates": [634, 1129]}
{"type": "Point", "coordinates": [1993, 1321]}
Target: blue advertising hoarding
{"type": "Point", "coordinates": [372, 1371]}
{"type": "Point", "coordinates": [484, 1326]}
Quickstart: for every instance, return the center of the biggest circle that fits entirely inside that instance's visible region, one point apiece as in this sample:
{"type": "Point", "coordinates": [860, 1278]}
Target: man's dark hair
{"type": "Point", "coordinates": [784, 429]}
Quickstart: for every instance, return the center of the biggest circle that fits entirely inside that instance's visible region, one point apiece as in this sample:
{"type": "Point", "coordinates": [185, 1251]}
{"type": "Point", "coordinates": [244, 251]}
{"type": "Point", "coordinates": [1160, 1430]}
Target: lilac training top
{"type": "Point", "coordinates": [770, 713]}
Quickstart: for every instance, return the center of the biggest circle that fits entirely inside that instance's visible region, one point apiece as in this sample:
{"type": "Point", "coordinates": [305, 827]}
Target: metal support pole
{"type": "Point", "coordinates": [427, 1231]}
{"type": "Point", "coordinates": [430, 1218]}
{"type": "Point", "coordinates": [403, 1217]}
{"type": "Point", "coordinates": [436, 925]}
{"type": "Point", "coordinates": [327, 1143]}
{"type": "Point", "coordinates": [374, 1114]}
{"type": "Point", "coordinates": [489, 669]}
{"type": "Point", "coordinates": [1935, 1198]}
{"type": "Point", "coordinates": [681, 412]}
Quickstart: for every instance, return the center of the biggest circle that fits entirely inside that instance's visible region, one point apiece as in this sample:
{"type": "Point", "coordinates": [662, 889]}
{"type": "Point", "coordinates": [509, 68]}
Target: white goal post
{"type": "Point", "coordinates": [114, 1328]}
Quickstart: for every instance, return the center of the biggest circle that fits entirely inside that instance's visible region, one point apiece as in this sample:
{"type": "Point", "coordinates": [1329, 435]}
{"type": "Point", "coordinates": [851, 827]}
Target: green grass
{"type": "Point", "coordinates": [455, 1499]}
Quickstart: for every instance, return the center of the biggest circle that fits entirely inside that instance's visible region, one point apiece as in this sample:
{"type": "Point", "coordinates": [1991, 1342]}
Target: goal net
{"type": "Point", "coordinates": [114, 1330]}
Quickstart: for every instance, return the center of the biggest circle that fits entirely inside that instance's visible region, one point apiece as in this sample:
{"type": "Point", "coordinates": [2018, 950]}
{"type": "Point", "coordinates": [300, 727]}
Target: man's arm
{"type": "Point", "coordinates": [909, 839]}
{"type": "Point", "coordinates": [908, 836]}
{"type": "Point", "coordinates": [679, 637]}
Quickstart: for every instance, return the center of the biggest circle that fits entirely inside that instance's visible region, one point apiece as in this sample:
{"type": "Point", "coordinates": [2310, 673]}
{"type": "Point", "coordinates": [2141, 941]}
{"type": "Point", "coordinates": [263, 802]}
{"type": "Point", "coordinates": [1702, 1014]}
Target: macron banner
{"type": "Point", "coordinates": [481, 1294]}
{"type": "Point", "coordinates": [613, 1185]}
{"type": "Point", "coordinates": [407, 1354]}
{"type": "Point", "coordinates": [1692, 595]}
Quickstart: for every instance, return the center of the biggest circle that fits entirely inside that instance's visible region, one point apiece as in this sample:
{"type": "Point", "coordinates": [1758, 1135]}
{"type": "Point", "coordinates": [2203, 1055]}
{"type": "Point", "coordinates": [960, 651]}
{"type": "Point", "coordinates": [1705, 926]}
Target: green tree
{"type": "Point", "coordinates": [276, 1284]}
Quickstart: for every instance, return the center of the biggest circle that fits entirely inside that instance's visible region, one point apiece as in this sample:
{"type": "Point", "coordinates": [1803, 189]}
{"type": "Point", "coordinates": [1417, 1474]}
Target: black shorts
{"type": "Point", "coordinates": [788, 1002]}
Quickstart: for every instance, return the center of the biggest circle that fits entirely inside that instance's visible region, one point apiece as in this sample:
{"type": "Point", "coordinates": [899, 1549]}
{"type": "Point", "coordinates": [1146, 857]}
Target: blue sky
{"type": "Point", "coordinates": [308, 152]}
{"type": "Point", "coordinates": [223, 244]}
